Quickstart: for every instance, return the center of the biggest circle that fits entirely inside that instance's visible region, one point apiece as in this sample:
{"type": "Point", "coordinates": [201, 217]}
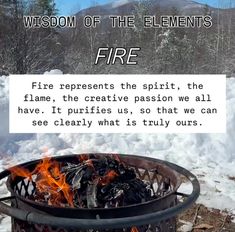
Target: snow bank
{"type": "Point", "coordinates": [53, 72]}
{"type": "Point", "coordinates": [4, 91]}
{"type": "Point", "coordinates": [7, 141]}
{"type": "Point", "coordinates": [209, 156]}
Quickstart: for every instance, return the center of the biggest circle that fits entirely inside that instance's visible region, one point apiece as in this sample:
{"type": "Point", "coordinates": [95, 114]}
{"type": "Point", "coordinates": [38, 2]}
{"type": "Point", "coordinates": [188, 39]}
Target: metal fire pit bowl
{"type": "Point", "coordinates": [158, 215]}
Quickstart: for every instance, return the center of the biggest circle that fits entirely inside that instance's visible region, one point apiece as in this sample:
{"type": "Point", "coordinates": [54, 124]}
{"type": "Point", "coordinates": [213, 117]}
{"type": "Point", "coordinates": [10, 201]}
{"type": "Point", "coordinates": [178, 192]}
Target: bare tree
{"type": "Point", "coordinates": [30, 50]}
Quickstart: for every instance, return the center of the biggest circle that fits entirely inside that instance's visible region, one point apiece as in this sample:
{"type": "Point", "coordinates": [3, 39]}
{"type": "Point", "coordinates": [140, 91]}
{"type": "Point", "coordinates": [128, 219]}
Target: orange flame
{"type": "Point", "coordinates": [134, 229]}
{"type": "Point", "coordinates": [117, 157]}
{"type": "Point", "coordinates": [86, 160]}
{"type": "Point", "coordinates": [48, 180]}
{"type": "Point", "coordinates": [83, 157]}
{"type": "Point", "coordinates": [20, 171]}
{"type": "Point", "coordinates": [89, 163]}
{"type": "Point", "coordinates": [110, 176]}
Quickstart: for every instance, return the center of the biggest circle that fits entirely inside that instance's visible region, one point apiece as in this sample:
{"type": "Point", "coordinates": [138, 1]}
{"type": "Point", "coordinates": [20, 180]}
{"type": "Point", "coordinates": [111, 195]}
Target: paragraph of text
{"type": "Point", "coordinates": [117, 104]}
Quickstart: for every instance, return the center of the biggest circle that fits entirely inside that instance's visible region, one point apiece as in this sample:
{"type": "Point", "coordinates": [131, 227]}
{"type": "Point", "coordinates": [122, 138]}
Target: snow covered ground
{"type": "Point", "coordinates": [209, 156]}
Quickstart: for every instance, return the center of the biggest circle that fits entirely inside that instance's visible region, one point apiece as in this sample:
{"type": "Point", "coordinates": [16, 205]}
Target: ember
{"type": "Point", "coordinates": [91, 182]}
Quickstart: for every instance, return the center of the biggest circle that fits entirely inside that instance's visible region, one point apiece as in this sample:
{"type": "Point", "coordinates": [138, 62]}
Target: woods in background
{"type": "Point", "coordinates": [24, 50]}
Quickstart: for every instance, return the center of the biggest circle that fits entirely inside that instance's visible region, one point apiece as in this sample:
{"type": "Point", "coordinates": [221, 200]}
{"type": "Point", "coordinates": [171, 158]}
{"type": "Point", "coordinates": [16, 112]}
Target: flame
{"type": "Point", "coordinates": [83, 158]}
{"type": "Point", "coordinates": [89, 163]}
{"type": "Point", "coordinates": [134, 229]}
{"type": "Point", "coordinates": [86, 160]}
{"type": "Point", "coordinates": [110, 176]}
{"type": "Point", "coordinates": [117, 157]}
{"type": "Point", "coordinates": [20, 171]}
{"type": "Point", "coordinates": [49, 180]}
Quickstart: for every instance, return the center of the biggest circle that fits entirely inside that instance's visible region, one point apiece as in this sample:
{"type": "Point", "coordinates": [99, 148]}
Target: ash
{"type": "Point", "coordinates": [105, 183]}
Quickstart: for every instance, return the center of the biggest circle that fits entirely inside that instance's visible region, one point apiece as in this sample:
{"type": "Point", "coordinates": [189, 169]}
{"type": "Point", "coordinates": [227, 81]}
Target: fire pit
{"type": "Point", "coordinates": [96, 192]}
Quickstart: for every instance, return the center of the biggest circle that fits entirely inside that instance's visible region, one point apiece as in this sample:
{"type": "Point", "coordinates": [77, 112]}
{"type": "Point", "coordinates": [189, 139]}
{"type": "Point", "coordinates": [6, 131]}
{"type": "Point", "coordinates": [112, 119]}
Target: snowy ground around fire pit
{"type": "Point", "coordinates": [209, 156]}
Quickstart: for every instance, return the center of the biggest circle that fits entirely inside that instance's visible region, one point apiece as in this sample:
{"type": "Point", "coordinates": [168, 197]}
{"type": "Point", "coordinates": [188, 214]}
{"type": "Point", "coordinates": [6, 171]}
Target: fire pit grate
{"type": "Point", "coordinates": [155, 215]}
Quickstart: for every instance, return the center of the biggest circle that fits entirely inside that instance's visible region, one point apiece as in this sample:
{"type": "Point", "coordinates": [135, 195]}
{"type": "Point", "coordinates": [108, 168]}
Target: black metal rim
{"type": "Point", "coordinates": [37, 218]}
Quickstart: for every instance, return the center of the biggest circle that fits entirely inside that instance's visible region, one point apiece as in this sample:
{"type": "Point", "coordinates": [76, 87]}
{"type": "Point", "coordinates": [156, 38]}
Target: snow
{"type": "Point", "coordinates": [4, 105]}
{"type": "Point", "coordinates": [53, 72]}
{"type": "Point", "coordinates": [187, 227]}
{"type": "Point", "coordinates": [211, 157]}
{"type": "Point", "coordinates": [119, 3]}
